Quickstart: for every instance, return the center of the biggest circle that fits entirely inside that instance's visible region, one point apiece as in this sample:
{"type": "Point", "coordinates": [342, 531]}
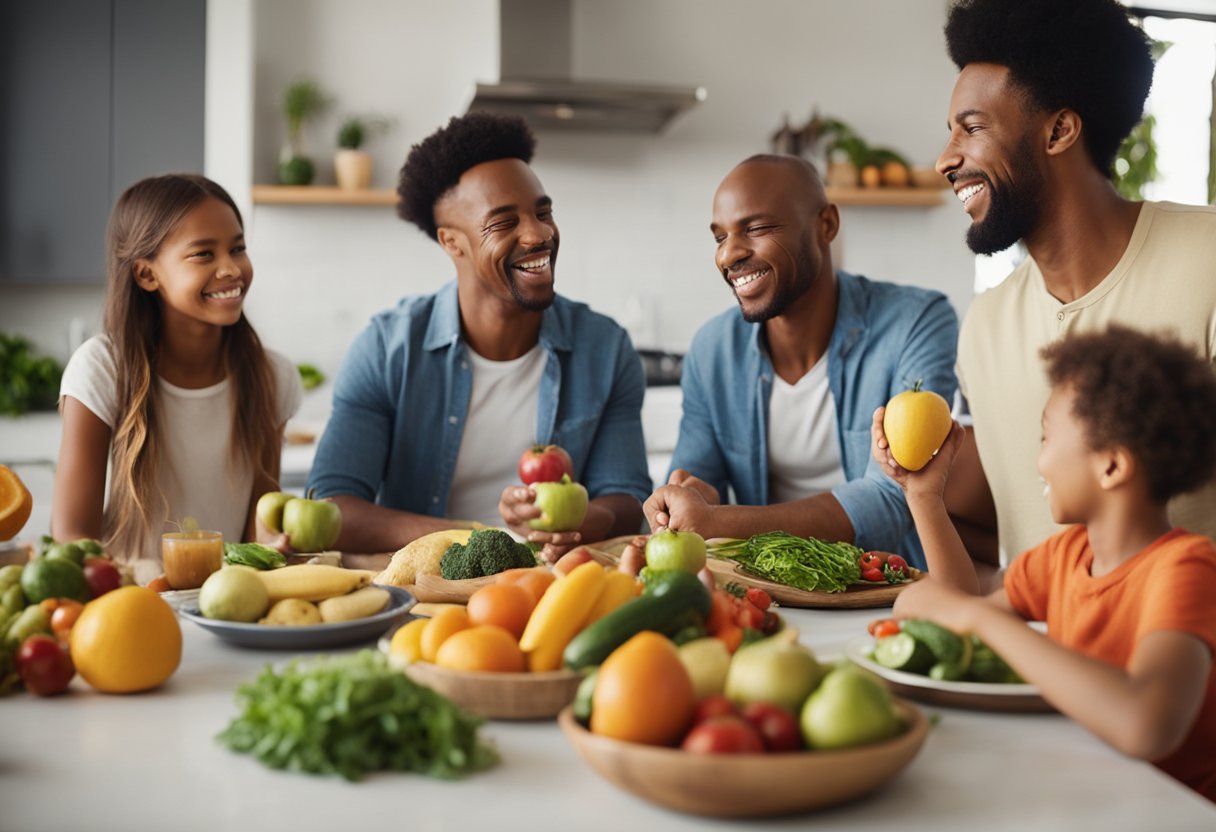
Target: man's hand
{"type": "Point", "coordinates": [679, 507]}
{"type": "Point", "coordinates": [928, 481]}
{"type": "Point", "coordinates": [516, 507]}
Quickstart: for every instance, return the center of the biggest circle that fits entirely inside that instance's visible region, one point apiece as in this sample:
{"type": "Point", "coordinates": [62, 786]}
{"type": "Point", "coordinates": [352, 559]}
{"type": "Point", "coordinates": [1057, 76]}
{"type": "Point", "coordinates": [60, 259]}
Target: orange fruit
{"type": "Point", "coordinates": [407, 641]}
{"type": "Point", "coordinates": [440, 628]}
{"type": "Point", "coordinates": [127, 640]}
{"type": "Point", "coordinates": [15, 503]}
{"type": "Point", "coordinates": [534, 580]}
{"type": "Point", "coordinates": [485, 648]}
{"type": "Point", "coordinates": [504, 605]}
{"type": "Point", "coordinates": [643, 693]}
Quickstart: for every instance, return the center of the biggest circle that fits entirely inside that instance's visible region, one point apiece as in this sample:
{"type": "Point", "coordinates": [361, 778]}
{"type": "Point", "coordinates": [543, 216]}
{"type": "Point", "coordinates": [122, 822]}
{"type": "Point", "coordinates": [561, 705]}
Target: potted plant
{"type": "Point", "coordinates": [302, 101]}
{"type": "Point", "coordinates": [352, 166]}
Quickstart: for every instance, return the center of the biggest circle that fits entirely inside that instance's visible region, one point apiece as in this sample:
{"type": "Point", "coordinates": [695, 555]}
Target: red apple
{"type": "Point", "coordinates": [544, 463]}
{"type": "Point", "coordinates": [101, 575]}
{"type": "Point", "coordinates": [44, 666]}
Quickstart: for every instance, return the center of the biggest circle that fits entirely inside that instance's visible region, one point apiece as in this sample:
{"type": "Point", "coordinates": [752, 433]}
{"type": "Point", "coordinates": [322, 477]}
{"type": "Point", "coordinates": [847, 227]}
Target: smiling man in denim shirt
{"type": "Point", "coordinates": [440, 395]}
{"type": "Point", "coordinates": [779, 392]}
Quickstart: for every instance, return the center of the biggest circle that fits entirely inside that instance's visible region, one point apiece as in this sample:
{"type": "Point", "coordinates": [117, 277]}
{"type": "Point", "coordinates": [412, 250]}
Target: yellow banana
{"type": "Point", "coordinates": [620, 587]}
{"type": "Point", "coordinates": [560, 614]}
{"type": "Point", "coordinates": [312, 582]}
{"type": "Point", "coordinates": [358, 604]}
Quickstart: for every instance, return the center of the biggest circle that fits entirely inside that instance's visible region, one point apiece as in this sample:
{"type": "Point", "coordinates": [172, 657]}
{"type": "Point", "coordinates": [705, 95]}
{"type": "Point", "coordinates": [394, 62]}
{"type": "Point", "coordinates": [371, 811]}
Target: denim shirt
{"type": "Point", "coordinates": [886, 338]}
{"type": "Point", "coordinates": [402, 395]}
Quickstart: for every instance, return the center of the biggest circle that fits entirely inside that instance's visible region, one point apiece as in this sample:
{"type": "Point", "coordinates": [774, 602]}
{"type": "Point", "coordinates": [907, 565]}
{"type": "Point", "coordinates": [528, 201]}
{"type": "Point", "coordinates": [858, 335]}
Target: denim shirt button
{"type": "Point", "coordinates": [435, 499]}
{"type": "Point", "coordinates": [452, 420]}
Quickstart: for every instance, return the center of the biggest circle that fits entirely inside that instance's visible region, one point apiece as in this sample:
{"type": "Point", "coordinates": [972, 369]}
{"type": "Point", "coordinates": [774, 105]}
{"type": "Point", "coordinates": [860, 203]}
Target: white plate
{"type": "Point", "coordinates": [982, 695]}
{"type": "Point", "coordinates": [312, 637]}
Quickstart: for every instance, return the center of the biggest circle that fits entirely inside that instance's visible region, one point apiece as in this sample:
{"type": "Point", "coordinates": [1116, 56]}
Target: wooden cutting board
{"type": "Point", "coordinates": [857, 596]}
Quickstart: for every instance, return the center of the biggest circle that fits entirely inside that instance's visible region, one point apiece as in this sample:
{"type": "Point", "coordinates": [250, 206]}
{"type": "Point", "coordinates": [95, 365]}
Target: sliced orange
{"type": "Point", "coordinates": [15, 503]}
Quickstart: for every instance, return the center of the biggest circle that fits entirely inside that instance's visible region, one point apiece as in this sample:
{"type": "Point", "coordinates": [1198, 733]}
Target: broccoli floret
{"type": "Point", "coordinates": [488, 552]}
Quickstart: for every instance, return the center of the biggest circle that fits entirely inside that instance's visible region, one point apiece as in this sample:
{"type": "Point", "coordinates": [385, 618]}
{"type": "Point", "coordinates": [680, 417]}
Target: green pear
{"type": "Point", "coordinates": [270, 509]}
{"type": "Point", "coordinates": [774, 671]}
{"type": "Point", "coordinates": [707, 661]}
{"type": "Point", "coordinates": [850, 707]}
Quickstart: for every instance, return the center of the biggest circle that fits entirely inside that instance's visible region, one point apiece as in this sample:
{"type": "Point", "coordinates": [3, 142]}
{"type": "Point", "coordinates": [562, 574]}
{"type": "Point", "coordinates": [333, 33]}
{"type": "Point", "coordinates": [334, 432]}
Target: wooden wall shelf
{"type": "Point", "coordinates": [328, 195]}
{"type": "Point", "coordinates": [320, 195]}
{"type": "Point", "coordinates": [906, 197]}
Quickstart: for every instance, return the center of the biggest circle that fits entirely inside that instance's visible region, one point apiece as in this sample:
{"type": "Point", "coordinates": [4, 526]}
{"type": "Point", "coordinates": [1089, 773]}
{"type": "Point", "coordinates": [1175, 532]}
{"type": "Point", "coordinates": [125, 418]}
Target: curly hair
{"type": "Point", "coordinates": [1150, 394]}
{"type": "Point", "coordinates": [435, 164]}
{"type": "Point", "coordinates": [1084, 55]}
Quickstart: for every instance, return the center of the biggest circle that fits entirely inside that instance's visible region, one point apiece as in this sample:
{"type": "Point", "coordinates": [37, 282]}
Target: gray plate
{"type": "Point", "coordinates": [312, 637]}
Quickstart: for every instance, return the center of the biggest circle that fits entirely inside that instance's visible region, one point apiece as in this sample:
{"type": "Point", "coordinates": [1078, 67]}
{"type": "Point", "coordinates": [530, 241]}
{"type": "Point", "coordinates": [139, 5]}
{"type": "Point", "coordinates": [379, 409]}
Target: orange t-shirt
{"type": "Point", "coordinates": [1170, 585]}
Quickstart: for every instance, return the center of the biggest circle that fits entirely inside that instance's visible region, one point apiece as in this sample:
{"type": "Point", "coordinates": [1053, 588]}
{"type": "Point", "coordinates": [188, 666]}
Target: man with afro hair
{"type": "Point", "coordinates": [1046, 93]}
{"type": "Point", "coordinates": [440, 395]}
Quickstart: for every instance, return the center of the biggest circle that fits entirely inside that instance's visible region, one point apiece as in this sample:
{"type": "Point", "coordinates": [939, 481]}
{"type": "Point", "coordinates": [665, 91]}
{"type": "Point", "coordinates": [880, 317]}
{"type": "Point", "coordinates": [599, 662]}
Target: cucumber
{"type": "Point", "coordinates": [666, 609]}
{"type": "Point", "coordinates": [582, 698]}
{"type": "Point", "coordinates": [902, 652]}
{"type": "Point", "coordinates": [947, 672]}
{"type": "Point", "coordinates": [946, 647]}
{"type": "Point", "coordinates": [987, 666]}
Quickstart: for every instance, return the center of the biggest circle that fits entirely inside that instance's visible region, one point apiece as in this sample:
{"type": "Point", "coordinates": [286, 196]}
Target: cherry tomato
{"type": "Point", "coordinates": [159, 584]}
{"type": "Point", "coordinates": [45, 667]}
{"type": "Point", "coordinates": [778, 728]}
{"type": "Point", "coordinates": [873, 626]}
{"type": "Point", "coordinates": [724, 735]}
{"type": "Point", "coordinates": [713, 705]}
{"type": "Point", "coordinates": [874, 575]}
{"type": "Point", "coordinates": [888, 627]}
{"type": "Point", "coordinates": [748, 615]}
{"type": "Point", "coordinates": [870, 560]}
{"type": "Point", "coordinates": [102, 576]}
{"type": "Point", "coordinates": [759, 597]}
{"type": "Point", "coordinates": [897, 564]}
{"type": "Point", "coordinates": [63, 619]}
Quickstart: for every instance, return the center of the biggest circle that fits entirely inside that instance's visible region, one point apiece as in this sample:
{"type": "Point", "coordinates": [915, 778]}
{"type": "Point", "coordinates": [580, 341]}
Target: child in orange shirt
{"type": "Point", "coordinates": [1130, 423]}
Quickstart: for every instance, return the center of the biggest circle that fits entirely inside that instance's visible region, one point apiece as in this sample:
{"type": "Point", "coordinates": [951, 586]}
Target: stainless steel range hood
{"type": "Point", "coordinates": [535, 79]}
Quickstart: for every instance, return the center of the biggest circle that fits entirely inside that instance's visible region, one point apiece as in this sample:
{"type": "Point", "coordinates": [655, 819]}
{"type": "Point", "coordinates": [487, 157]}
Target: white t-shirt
{"type": "Point", "coordinates": [803, 446]}
{"type": "Point", "coordinates": [195, 477]}
{"type": "Point", "coordinates": [500, 425]}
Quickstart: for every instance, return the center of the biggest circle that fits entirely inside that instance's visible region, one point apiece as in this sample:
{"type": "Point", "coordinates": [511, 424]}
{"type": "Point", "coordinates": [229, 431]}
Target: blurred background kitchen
{"type": "Point", "coordinates": [96, 94]}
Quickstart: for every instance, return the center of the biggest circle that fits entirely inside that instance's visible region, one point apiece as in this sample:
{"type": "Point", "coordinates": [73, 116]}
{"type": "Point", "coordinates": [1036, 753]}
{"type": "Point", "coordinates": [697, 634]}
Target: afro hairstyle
{"type": "Point", "coordinates": [1150, 394]}
{"type": "Point", "coordinates": [1083, 55]}
{"type": "Point", "coordinates": [435, 164]}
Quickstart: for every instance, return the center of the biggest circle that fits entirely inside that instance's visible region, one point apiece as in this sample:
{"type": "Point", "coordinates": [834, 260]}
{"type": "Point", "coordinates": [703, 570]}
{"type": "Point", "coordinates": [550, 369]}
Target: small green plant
{"type": "Point", "coordinates": [302, 101]}
{"type": "Point", "coordinates": [355, 130]}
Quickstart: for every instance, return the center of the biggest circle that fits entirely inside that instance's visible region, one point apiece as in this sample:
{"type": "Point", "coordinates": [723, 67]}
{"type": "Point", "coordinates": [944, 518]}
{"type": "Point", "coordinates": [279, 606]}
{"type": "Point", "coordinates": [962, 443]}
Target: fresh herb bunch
{"type": "Point", "coordinates": [804, 563]}
{"type": "Point", "coordinates": [349, 715]}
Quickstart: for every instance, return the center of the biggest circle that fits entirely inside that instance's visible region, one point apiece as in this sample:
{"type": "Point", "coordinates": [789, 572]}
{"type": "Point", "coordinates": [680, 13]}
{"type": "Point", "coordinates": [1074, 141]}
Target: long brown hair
{"type": "Point", "coordinates": [145, 215]}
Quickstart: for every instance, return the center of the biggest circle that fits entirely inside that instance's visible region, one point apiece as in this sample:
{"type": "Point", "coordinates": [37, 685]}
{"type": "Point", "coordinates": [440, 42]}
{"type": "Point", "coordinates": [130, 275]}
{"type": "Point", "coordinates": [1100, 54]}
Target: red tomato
{"type": "Point", "coordinates": [102, 576]}
{"type": "Point", "coordinates": [759, 597]}
{"type": "Point", "coordinates": [45, 667]}
{"type": "Point", "coordinates": [884, 627]}
{"type": "Point", "coordinates": [724, 735]}
{"type": "Point", "coordinates": [897, 564]}
{"type": "Point", "coordinates": [544, 463]}
{"type": "Point", "coordinates": [748, 615]}
{"type": "Point", "coordinates": [63, 619]}
{"type": "Point", "coordinates": [870, 560]}
{"type": "Point", "coordinates": [713, 705]}
{"type": "Point", "coordinates": [874, 575]}
{"type": "Point", "coordinates": [778, 728]}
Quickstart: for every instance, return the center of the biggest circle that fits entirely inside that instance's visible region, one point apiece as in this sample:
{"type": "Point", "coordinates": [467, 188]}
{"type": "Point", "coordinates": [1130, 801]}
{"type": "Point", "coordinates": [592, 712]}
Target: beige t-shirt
{"type": "Point", "coordinates": [196, 476]}
{"type": "Point", "coordinates": [1165, 281]}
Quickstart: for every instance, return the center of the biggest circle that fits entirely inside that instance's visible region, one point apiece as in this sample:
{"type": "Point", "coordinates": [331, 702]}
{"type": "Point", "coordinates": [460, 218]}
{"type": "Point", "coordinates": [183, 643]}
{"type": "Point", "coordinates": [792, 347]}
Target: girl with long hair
{"type": "Point", "coordinates": [178, 394]}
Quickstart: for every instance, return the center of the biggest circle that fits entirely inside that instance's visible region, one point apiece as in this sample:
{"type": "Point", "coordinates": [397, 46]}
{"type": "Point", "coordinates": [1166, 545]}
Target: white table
{"type": "Point", "coordinates": [149, 761]}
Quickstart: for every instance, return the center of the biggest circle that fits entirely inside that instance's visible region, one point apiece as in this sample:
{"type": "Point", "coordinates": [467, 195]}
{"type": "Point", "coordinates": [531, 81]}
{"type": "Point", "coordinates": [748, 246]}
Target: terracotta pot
{"type": "Point", "coordinates": [353, 169]}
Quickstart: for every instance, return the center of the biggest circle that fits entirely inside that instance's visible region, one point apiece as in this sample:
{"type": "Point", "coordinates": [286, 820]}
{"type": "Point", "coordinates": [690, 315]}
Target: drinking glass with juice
{"type": "Point", "coordinates": [189, 557]}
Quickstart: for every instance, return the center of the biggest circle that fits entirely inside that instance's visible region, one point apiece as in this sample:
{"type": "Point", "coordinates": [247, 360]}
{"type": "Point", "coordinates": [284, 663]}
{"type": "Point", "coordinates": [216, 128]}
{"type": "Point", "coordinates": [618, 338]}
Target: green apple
{"type": "Point", "coordinates": [707, 661]}
{"type": "Point", "coordinates": [270, 509]}
{"type": "Point", "coordinates": [775, 671]}
{"type": "Point", "coordinates": [669, 549]}
{"type": "Point", "coordinates": [563, 505]}
{"type": "Point", "coordinates": [849, 708]}
{"type": "Point", "coordinates": [311, 525]}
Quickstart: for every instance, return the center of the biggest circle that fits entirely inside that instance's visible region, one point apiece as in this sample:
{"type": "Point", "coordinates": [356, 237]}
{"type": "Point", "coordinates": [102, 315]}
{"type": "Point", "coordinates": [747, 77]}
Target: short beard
{"type": "Point", "coordinates": [804, 275]}
{"type": "Point", "coordinates": [526, 303]}
{"type": "Point", "coordinates": [1013, 211]}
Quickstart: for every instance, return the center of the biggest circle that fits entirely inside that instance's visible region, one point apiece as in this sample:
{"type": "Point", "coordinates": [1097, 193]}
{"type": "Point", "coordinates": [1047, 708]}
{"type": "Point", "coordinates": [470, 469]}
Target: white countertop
{"type": "Point", "coordinates": [150, 761]}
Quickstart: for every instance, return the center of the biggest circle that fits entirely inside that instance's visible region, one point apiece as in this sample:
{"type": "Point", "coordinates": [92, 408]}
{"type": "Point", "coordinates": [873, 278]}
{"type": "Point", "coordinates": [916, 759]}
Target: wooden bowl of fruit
{"type": "Point", "coordinates": [501, 695]}
{"type": "Point", "coordinates": [748, 784]}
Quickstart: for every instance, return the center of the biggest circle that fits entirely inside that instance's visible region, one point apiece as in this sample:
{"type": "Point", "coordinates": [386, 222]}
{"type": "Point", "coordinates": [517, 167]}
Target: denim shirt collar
{"type": "Point", "coordinates": [443, 329]}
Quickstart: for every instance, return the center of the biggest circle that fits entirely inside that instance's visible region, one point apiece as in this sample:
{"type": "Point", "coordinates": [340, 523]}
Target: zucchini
{"type": "Point", "coordinates": [902, 652]}
{"type": "Point", "coordinates": [946, 647]}
{"type": "Point", "coordinates": [665, 608]}
{"type": "Point", "coordinates": [987, 666]}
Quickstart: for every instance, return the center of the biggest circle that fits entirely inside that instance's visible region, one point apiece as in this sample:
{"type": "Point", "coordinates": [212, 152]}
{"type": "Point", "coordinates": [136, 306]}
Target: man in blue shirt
{"type": "Point", "coordinates": [439, 396]}
{"type": "Point", "coordinates": [779, 393]}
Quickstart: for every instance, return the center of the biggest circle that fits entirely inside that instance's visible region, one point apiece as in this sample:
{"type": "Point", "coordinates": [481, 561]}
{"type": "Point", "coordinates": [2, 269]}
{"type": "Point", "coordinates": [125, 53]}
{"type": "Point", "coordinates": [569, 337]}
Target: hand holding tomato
{"type": "Point", "coordinates": [545, 463]}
